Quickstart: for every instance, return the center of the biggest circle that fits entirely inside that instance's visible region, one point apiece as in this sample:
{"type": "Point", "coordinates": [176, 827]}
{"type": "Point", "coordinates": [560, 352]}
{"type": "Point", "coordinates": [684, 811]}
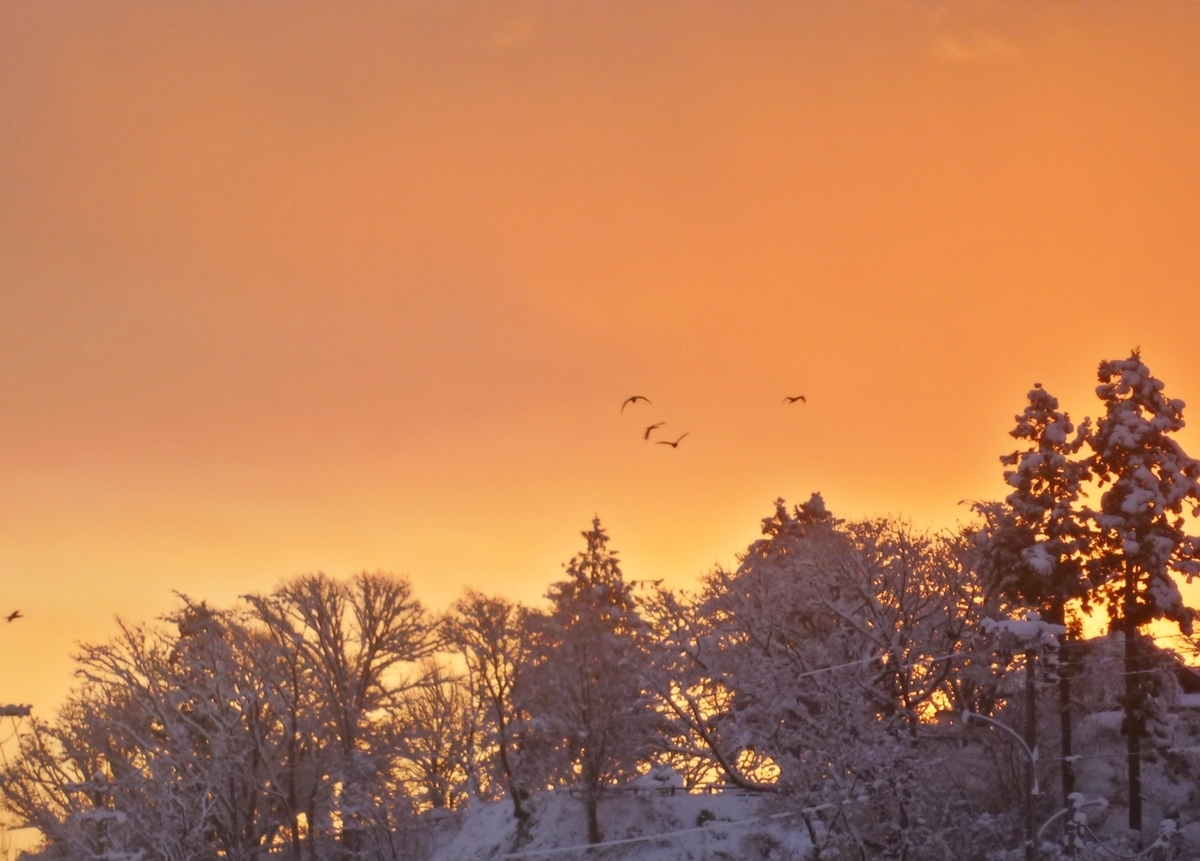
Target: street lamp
{"type": "Point", "coordinates": [1031, 837]}
{"type": "Point", "coordinates": [1032, 634]}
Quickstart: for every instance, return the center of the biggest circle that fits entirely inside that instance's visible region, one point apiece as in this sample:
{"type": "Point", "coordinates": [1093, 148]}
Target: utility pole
{"type": "Point", "coordinates": [1135, 701]}
{"type": "Point", "coordinates": [99, 791]}
{"type": "Point", "coordinates": [1063, 669]}
{"type": "Point", "coordinates": [1031, 848]}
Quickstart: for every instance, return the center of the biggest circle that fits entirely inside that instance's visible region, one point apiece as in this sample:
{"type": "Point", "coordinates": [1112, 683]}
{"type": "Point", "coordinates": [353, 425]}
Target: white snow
{"type": "Point", "coordinates": [638, 826]}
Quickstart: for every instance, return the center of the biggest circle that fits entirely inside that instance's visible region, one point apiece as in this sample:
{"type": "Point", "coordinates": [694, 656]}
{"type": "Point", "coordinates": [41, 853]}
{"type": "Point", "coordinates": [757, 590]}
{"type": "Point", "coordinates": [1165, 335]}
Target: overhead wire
{"type": "Point", "coordinates": [1117, 854]}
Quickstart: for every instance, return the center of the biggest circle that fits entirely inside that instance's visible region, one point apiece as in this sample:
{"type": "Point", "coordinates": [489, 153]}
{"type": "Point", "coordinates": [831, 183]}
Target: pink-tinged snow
{"type": "Point", "coordinates": [489, 830]}
{"type": "Point", "coordinates": [1168, 787]}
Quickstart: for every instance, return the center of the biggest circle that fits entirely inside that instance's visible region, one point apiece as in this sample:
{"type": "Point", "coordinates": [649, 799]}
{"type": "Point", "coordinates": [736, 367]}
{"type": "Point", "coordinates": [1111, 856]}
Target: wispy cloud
{"type": "Point", "coordinates": [974, 47]}
{"type": "Point", "coordinates": [514, 33]}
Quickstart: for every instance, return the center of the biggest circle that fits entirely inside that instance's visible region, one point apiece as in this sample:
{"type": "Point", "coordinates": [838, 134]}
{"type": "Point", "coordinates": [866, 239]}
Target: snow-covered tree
{"type": "Point", "coordinates": [434, 732]}
{"type": "Point", "coordinates": [1033, 547]}
{"type": "Point", "coordinates": [182, 731]}
{"type": "Point", "coordinates": [699, 735]}
{"type": "Point", "coordinates": [219, 733]}
{"type": "Point", "coordinates": [487, 632]}
{"type": "Point", "coordinates": [40, 787]}
{"type": "Point", "coordinates": [1152, 486]}
{"type": "Point", "coordinates": [355, 637]}
{"type": "Point", "coordinates": [1038, 544]}
{"type": "Point", "coordinates": [726, 659]}
{"type": "Point", "coordinates": [809, 667]}
{"type": "Point", "coordinates": [283, 664]}
{"type": "Point", "coordinates": [583, 684]}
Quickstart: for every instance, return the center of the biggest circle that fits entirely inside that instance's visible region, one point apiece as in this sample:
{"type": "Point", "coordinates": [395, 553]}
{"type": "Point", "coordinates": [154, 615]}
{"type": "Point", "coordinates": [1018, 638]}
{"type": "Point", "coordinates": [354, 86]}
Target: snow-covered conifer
{"type": "Point", "coordinates": [583, 687]}
{"type": "Point", "coordinates": [1152, 487]}
{"type": "Point", "coordinates": [1038, 544]}
{"type": "Point", "coordinates": [1033, 547]}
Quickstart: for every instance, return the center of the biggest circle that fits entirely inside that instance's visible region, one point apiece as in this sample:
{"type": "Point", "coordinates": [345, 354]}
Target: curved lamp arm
{"type": "Point", "coordinates": [1032, 754]}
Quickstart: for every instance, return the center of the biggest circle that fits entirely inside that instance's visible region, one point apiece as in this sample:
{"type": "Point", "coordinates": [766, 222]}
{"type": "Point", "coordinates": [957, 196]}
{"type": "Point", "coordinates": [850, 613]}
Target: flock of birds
{"type": "Point", "coordinates": [632, 399]}
{"type": "Point", "coordinates": [635, 399]}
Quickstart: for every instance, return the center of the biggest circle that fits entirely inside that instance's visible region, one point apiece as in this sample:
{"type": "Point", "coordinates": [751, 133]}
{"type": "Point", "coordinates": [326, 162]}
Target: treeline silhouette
{"type": "Point", "coordinates": [323, 719]}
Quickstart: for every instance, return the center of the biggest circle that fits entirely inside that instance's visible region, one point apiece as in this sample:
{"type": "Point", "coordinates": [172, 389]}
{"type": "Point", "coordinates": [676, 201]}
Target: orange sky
{"type": "Point", "coordinates": [297, 286]}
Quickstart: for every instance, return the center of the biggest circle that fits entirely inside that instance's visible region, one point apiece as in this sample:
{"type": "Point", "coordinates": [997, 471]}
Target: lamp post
{"type": "Point", "coordinates": [1031, 847]}
{"type": "Point", "coordinates": [1031, 633]}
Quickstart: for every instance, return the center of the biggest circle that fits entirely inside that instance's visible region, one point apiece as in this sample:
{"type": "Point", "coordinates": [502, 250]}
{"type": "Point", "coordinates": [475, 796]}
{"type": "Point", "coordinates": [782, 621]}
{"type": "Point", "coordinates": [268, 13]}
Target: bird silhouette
{"type": "Point", "coordinates": [672, 444]}
{"type": "Point", "coordinates": [650, 429]}
{"type": "Point", "coordinates": [15, 614]}
{"type": "Point", "coordinates": [633, 399]}
{"type": "Point", "coordinates": [791, 400]}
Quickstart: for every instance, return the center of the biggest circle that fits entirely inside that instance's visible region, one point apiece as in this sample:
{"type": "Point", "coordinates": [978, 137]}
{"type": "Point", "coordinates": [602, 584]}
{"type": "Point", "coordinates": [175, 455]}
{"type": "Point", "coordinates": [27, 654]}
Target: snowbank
{"type": "Point", "coordinates": [692, 827]}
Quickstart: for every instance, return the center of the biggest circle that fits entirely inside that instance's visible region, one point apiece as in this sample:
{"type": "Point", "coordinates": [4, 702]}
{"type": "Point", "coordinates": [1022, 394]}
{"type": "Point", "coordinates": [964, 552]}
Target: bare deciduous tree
{"type": "Point", "coordinates": [488, 634]}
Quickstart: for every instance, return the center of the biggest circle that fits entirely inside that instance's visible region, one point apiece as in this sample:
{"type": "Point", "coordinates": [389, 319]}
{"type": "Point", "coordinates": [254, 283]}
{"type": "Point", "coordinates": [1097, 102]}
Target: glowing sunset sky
{"type": "Point", "coordinates": [343, 286]}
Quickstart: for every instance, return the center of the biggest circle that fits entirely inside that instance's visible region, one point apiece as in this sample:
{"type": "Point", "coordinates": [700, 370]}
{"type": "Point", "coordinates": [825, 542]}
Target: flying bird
{"type": "Point", "coordinates": [672, 444]}
{"type": "Point", "coordinates": [15, 614]}
{"type": "Point", "coordinates": [791, 400]}
{"type": "Point", "coordinates": [633, 399]}
{"type": "Point", "coordinates": [650, 429]}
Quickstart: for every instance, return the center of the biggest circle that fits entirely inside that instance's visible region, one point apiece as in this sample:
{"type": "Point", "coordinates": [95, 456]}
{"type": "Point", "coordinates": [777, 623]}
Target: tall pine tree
{"type": "Point", "coordinates": [583, 688]}
{"type": "Point", "coordinates": [1034, 544]}
{"type": "Point", "coordinates": [1141, 521]}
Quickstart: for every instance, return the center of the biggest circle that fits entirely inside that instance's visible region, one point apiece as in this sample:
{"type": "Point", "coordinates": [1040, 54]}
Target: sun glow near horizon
{"type": "Point", "coordinates": [344, 289]}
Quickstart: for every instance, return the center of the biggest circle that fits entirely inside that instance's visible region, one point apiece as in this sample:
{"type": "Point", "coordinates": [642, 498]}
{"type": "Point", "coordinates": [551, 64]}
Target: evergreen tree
{"type": "Point", "coordinates": [1034, 545]}
{"type": "Point", "coordinates": [1044, 532]}
{"type": "Point", "coordinates": [583, 687]}
{"type": "Point", "coordinates": [1141, 525]}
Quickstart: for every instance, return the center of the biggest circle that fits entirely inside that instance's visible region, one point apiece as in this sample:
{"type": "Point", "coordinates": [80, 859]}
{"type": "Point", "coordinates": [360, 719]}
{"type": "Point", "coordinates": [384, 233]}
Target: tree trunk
{"type": "Point", "coordinates": [312, 825]}
{"type": "Point", "coordinates": [517, 794]}
{"type": "Point", "coordinates": [293, 799]}
{"type": "Point", "coordinates": [1133, 704]}
{"type": "Point", "coordinates": [593, 819]}
{"type": "Point", "coordinates": [1065, 653]}
{"type": "Point", "coordinates": [1031, 847]}
{"type": "Point", "coordinates": [520, 811]}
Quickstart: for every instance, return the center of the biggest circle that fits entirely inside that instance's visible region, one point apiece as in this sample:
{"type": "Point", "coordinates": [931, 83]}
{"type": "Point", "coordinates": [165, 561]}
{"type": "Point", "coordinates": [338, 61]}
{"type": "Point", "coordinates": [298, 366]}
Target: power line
{"type": "Point", "coordinates": [871, 660]}
{"type": "Point", "coordinates": [1116, 854]}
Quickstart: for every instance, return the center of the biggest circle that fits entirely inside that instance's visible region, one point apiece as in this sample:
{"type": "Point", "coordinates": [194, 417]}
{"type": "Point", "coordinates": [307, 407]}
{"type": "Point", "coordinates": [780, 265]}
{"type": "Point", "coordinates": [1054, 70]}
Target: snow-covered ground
{"type": "Point", "coordinates": [646, 826]}
{"type": "Point", "coordinates": [650, 824]}
{"type": "Point", "coordinates": [1169, 779]}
